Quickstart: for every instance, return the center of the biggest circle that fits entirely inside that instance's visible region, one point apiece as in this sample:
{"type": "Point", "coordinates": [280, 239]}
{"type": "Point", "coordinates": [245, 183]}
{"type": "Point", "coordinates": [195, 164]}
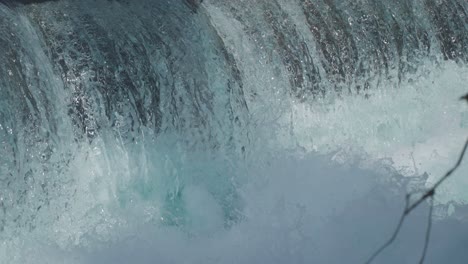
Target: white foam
{"type": "Point", "coordinates": [421, 126]}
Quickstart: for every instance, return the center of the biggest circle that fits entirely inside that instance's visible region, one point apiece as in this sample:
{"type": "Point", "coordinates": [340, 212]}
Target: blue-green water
{"type": "Point", "coordinates": [230, 131]}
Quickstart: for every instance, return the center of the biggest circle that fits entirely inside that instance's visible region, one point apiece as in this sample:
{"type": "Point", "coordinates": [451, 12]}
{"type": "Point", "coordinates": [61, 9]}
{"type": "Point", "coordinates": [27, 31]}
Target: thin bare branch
{"type": "Point", "coordinates": [389, 241]}
{"type": "Point", "coordinates": [428, 231]}
{"type": "Point", "coordinates": [430, 193]}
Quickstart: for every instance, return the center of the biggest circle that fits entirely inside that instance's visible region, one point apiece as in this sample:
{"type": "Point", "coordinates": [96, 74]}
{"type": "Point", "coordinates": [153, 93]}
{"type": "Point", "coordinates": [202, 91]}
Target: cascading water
{"type": "Point", "coordinates": [229, 131]}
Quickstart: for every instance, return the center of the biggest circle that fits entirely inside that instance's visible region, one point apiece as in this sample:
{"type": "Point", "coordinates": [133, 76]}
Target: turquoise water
{"type": "Point", "coordinates": [235, 132]}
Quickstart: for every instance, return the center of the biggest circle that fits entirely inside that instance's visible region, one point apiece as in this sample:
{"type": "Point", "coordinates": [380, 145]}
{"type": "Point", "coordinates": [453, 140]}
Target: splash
{"type": "Point", "coordinates": [233, 132]}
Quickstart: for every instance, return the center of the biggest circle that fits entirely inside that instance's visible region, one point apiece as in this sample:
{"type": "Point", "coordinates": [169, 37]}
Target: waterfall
{"type": "Point", "coordinates": [220, 131]}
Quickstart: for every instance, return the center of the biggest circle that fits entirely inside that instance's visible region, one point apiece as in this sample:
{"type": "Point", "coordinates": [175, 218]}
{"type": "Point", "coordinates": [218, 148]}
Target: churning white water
{"type": "Point", "coordinates": [231, 131]}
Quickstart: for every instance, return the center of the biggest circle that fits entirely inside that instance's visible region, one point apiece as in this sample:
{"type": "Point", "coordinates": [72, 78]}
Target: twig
{"type": "Point", "coordinates": [430, 193]}
{"type": "Point", "coordinates": [428, 231]}
{"type": "Point", "coordinates": [393, 237]}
